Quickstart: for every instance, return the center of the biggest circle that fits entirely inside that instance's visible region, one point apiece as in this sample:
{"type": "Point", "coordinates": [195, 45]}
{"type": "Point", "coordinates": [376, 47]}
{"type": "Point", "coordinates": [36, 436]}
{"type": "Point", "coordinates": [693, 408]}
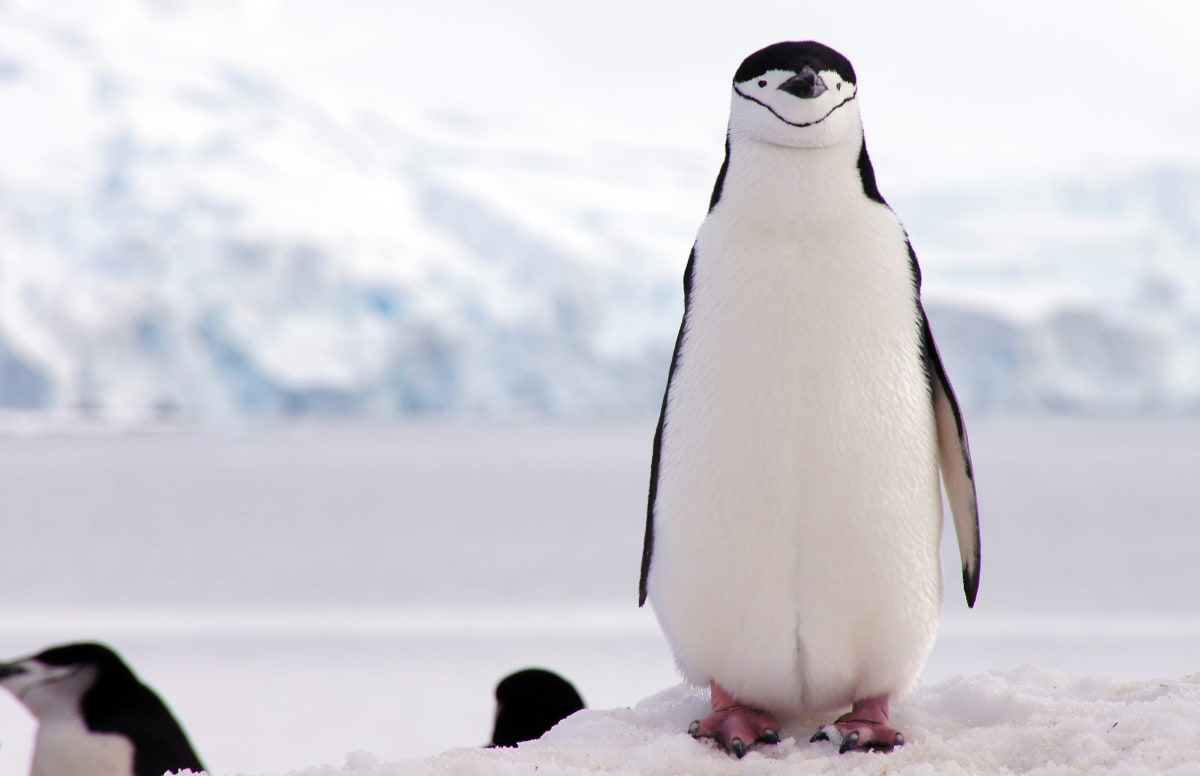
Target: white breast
{"type": "Point", "coordinates": [798, 510]}
{"type": "Point", "coordinates": [64, 747]}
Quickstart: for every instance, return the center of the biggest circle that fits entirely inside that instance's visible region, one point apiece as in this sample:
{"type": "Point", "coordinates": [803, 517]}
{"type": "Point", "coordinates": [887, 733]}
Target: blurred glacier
{"type": "Point", "coordinates": [182, 235]}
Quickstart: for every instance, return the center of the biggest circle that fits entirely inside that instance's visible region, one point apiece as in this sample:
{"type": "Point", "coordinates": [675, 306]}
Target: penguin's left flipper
{"type": "Point", "coordinates": [958, 475]}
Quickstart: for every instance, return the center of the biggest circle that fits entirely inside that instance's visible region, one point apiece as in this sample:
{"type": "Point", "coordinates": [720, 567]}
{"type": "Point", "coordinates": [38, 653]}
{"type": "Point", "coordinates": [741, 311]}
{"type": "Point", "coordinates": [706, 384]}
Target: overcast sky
{"type": "Point", "coordinates": [950, 91]}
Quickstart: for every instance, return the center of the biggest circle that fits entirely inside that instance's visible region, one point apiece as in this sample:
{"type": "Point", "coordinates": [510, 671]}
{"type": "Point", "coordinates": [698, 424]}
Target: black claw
{"type": "Point", "coordinates": [738, 748]}
{"type": "Point", "coordinates": [848, 744]}
{"type": "Point", "coordinates": [899, 739]}
{"type": "Point", "coordinates": [820, 735]}
{"type": "Point", "coordinates": [694, 729]}
{"type": "Point", "coordinates": [769, 736]}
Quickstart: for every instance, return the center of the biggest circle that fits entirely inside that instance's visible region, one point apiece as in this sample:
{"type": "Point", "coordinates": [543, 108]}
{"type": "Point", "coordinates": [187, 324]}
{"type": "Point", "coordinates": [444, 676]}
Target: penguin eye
{"type": "Point", "coordinates": [761, 84]}
{"type": "Point", "coordinates": [839, 86]}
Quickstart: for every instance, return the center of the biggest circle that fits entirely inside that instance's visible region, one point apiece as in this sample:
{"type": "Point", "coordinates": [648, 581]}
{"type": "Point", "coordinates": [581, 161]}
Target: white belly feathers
{"type": "Point", "coordinates": [798, 511]}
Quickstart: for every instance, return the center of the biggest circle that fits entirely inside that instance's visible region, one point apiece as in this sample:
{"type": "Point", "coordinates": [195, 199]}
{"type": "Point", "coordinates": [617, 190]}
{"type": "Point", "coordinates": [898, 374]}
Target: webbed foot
{"type": "Point", "coordinates": [735, 726]}
{"type": "Point", "coordinates": [863, 728]}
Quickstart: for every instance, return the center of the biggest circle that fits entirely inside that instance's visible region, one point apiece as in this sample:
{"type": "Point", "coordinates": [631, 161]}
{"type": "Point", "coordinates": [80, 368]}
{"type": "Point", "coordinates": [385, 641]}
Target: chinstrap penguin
{"type": "Point", "coordinates": [95, 717]}
{"type": "Point", "coordinates": [795, 511]}
{"type": "Point", "coordinates": [530, 702]}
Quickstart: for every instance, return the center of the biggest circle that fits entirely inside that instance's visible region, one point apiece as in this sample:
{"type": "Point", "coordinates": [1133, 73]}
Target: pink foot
{"type": "Point", "coordinates": [735, 726]}
{"type": "Point", "coordinates": [864, 727]}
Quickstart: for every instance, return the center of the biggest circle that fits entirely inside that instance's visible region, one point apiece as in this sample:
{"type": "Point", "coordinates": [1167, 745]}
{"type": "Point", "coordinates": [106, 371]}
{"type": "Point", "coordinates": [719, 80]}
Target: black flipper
{"type": "Point", "coordinates": [648, 544]}
{"type": "Point", "coordinates": [958, 476]}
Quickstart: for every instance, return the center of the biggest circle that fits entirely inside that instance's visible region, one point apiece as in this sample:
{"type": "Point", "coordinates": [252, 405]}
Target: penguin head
{"type": "Point", "coordinates": [52, 682]}
{"type": "Point", "coordinates": [530, 702]}
{"type": "Point", "coordinates": [800, 95]}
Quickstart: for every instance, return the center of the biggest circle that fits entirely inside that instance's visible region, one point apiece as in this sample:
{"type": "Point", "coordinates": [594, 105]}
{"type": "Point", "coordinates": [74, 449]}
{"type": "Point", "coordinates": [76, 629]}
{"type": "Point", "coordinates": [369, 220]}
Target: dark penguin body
{"type": "Point", "coordinates": [95, 717]}
{"type": "Point", "coordinates": [795, 507]}
{"type": "Point", "coordinates": [530, 702]}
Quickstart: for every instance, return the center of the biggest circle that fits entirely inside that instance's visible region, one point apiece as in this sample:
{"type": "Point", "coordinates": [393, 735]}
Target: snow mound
{"type": "Point", "coordinates": [1027, 720]}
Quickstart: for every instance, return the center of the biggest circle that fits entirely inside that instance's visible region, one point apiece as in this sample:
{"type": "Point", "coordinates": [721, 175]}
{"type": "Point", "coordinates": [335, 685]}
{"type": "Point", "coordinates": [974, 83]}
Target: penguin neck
{"type": "Point", "coordinates": [60, 699]}
{"type": "Point", "coordinates": [802, 187]}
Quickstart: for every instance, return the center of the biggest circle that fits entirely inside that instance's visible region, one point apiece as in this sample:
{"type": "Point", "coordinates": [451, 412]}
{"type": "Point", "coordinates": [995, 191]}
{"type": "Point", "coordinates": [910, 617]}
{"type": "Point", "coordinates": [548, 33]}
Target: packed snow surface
{"type": "Point", "coordinates": [1022, 721]}
{"type": "Point", "coordinates": [302, 592]}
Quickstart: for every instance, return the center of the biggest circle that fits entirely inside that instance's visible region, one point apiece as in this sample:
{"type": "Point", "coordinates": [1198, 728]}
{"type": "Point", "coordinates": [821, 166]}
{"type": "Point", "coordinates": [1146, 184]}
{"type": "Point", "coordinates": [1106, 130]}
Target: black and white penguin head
{"type": "Point", "coordinates": [52, 682]}
{"type": "Point", "coordinates": [795, 94]}
{"type": "Point", "coordinates": [105, 722]}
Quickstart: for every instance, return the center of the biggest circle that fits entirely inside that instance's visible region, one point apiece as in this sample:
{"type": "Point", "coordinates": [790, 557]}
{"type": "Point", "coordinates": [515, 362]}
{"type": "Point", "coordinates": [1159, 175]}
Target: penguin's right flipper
{"type": "Point", "coordinates": [958, 475]}
{"type": "Point", "coordinates": [656, 456]}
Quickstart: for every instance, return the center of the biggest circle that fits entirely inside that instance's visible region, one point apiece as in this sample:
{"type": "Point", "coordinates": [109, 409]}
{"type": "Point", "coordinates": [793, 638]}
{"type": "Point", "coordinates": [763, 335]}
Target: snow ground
{"type": "Point", "coordinates": [306, 689]}
{"type": "Point", "coordinates": [363, 589]}
{"type": "Point", "coordinates": [1027, 721]}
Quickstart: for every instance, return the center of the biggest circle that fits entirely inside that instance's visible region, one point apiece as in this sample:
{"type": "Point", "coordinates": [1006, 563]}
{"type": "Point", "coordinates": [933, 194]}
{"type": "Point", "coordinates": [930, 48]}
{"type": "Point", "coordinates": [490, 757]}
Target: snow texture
{"type": "Point", "coordinates": [1027, 721]}
{"type": "Point", "coordinates": [347, 593]}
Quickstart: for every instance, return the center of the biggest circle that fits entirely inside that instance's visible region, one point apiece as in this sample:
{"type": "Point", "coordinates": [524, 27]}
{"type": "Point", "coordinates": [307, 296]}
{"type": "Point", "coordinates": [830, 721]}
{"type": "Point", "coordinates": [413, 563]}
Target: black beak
{"type": "Point", "coordinates": [806, 84]}
{"type": "Point", "coordinates": [11, 669]}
